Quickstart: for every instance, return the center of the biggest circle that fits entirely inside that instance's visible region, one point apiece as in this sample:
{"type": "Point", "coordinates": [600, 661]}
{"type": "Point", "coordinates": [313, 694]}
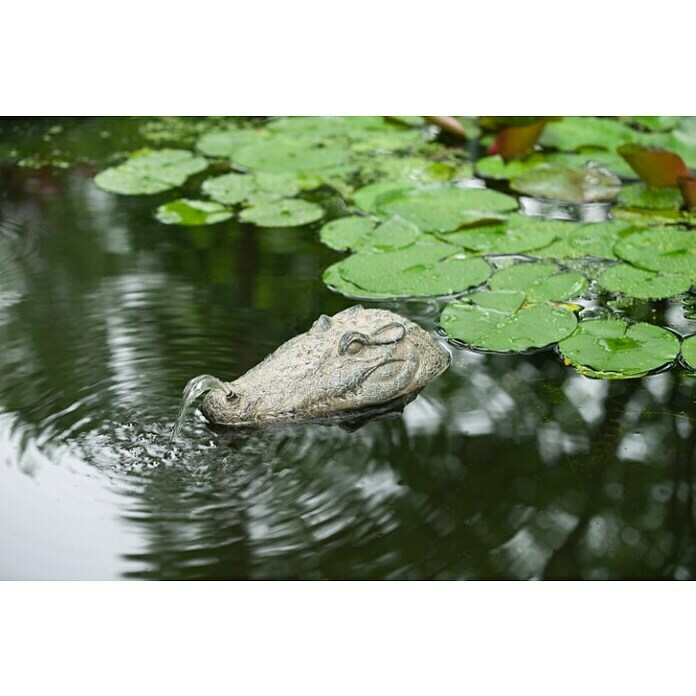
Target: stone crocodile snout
{"type": "Point", "coordinates": [357, 359]}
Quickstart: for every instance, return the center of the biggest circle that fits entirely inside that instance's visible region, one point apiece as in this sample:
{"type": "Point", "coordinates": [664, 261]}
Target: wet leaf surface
{"type": "Point", "coordinates": [540, 281]}
{"type": "Point", "coordinates": [613, 349]}
{"type": "Point", "coordinates": [191, 212]}
{"type": "Point", "coordinates": [660, 249]}
{"type": "Point", "coordinates": [636, 282]}
{"type": "Point", "coordinates": [283, 213]}
{"type": "Point", "coordinates": [563, 183]}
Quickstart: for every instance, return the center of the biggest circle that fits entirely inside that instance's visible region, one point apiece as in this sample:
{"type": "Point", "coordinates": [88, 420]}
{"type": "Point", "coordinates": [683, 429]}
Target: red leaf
{"type": "Point", "coordinates": [654, 166]}
{"type": "Point", "coordinates": [516, 141]}
{"type": "Point", "coordinates": [687, 186]}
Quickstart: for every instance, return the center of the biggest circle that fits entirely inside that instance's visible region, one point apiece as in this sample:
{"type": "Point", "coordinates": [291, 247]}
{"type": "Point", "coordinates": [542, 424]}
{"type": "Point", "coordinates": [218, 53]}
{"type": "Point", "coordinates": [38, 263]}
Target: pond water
{"type": "Point", "coordinates": [505, 467]}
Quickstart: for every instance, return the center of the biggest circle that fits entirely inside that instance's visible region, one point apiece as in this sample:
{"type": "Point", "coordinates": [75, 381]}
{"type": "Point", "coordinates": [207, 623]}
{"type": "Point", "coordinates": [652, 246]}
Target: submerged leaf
{"type": "Point", "coordinates": [282, 213]}
{"type": "Point", "coordinates": [189, 212]}
{"type": "Point", "coordinates": [559, 182]}
{"type": "Point", "coordinates": [642, 284]}
{"type": "Point", "coordinates": [612, 349]}
{"type": "Point", "coordinates": [150, 171]}
{"type": "Point", "coordinates": [499, 321]}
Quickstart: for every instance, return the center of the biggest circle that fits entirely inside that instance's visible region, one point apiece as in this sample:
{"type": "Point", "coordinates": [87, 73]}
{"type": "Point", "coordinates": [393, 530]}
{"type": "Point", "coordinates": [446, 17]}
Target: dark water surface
{"type": "Point", "coordinates": [505, 467]}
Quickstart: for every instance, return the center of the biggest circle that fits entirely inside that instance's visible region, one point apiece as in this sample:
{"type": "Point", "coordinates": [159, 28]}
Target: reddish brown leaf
{"type": "Point", "coordinates": [687, 186]}
{"type": "Point", "coordinates": [516, 141]}
{"type": "Point", "coordinates": [654, 166]}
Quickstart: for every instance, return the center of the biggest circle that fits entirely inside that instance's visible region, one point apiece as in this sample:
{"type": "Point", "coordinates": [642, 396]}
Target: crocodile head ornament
{"type": "Point", "coordinates": [356, 361]}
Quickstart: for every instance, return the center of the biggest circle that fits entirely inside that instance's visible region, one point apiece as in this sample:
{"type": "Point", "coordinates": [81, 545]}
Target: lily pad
{"type": "Point", "coordinates": [641, 284]}
{"type": "Point", "coordinates": [150, 171]}
{"type": "Point", "coordinates": [280, 155]}
{"type": "Point", "coordinates": [613, 349]}
{"type": "Point", "coordinates": [366, 197]}
{"type": "Point", "coordinates": [224, 143]}
{"type": "Point", "coordinates": [346, 232]}
{"type": "Point", "coordinates": [562, 183]}
{"type": "Point", "coordinates": [502, 322]}
{"type": "Point", "coordinates": [333, 278]}
{"type": "Point", "coordinates": [597, 239]}
{"type": "Point", "coordinates": [573, 133]}
{"type": "Point", "coordinates": [688, 351]}
{"type": "Point", "coordinates": [282, 213]}
{"type": "Point", "coordinates": [422, 269]}
{"type": "Point", "coordinates": [641, 196]}
{"type": "Point", "coordinates": [229, 188]}
{"type": "Point", "coordinates": [189, 212]}
{"type": "Point", "coordinates": [539, 281]}
{"type": "Point", "coordinates": [445, 208]}
{"type": "Point", "coordinates": [660, 249]}
{"type": "Point", "coordinates": [654, 123]}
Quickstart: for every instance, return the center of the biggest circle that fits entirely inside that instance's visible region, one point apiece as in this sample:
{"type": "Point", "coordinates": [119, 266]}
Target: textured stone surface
{"type": "Point", "coordinates": [358, 360]}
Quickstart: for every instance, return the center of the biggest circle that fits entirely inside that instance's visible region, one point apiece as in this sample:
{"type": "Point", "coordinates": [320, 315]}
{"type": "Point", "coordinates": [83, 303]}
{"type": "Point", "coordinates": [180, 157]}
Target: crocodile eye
{"type": "Point", "coordinates": [232, 396]}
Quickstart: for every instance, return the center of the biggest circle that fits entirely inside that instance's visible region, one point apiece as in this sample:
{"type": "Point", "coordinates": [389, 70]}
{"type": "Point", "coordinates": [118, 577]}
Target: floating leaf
{"type": "Point", "coordinates": [562, 183]}
{"type": "Point", "coordinates": [640, 196]}
{"type": "Point", "coordinates": [576, 132]}
{"type": "Point", "coordinates": [499, 321]}
{"type": "Point", "coordinates": [688, 351]}
{"type": "Point", "coordinates": [333, 278]}
{"type": "Point", "coordinates": [496, 168]}
{"type": "Point", "coordinates": [229, 188]}
{"type": "Point", "coordinates": [517, 140]}
{"type": "Point", "coordinates": [280, 155]}
{"type": "Point", "coordinates": [150, 171]}
{"type": "Point", "coordinates": [539, 281]}
{"type": "Point", "coordinates": [636, 282]}
{"type": "Point", "coordinates": [660, 249]}
{"type": "Point", "coordinates": [654, 166]}
{"type": "Point", "coordinates": [282, 213]}
{"type": "Point", "coordinates": [366, 197]}
{"type": "Point", "coordinates": [654, 123]}
{"type": "Point", "coordinates": [445, 208]}
{"type": "Point", "coordinates": [224, 143]}
{"type": "Point", "coordinates": [597, 239]}
{"type": "Point", "coordinates": [346, 232]}
{"type": "Point", "coordinates": [189, 212]}
{"type": "Point", "coordinates": [393, 234]}
{"type": "Point", "coordinates": [519, 234]}
{"type": "Point", "coordinates": [419, 270]}
{"type": "Point", "coordinates": [611, 349]}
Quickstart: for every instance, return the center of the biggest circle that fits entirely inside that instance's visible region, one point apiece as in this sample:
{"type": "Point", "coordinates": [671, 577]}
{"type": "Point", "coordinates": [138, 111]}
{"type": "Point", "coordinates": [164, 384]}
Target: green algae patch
{"type": "Point", "coordinates": [641, 284]}
{"type": "Point", "coordinates": [503, 322]}
{"type": "Point", "coordinates": [444, 208]}
{"type": "Point", "coordinates": [150, 171]}
{"type": "Point", "coordinates": [571, 184]}
{"type": "Point", "coordinates": [282, 213]}
{"type": "Point", "coordinates": [192, 213]}
{"type": "Point", "coordinates": [662, 249]}
{"type": "Point", "coordinates": [613, 349]}
{"type": "Point", "coordinates": [540, 282]}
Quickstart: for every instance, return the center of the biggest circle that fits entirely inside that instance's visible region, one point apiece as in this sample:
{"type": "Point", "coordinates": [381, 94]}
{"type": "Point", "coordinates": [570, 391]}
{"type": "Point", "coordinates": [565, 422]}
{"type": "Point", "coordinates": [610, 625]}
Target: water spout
{"type": "Point", "coordinates": [192, 391]}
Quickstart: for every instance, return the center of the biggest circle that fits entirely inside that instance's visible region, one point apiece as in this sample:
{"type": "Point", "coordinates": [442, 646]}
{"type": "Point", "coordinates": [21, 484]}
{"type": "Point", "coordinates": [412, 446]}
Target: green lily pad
{"type": "Point", "coordinates": [654, 123]}
{"type": "Point", "coordinates": [573, 133]}
{"type": "Point", "coordinates": [445, 208]}
{"type": "Point", "coordinates": [150, 171]}
{"type": "Point", "coordinates": [597, 239]}
{"type": "Point", "coordinates": [660, 249]}
{"type": "Point", "coordinates": [495, 167]}
{"type": "Point", "coordinates": [640, 196]}
{"type": "Point", "coordinates": [224, 143]}
{"type": "Point", "coordinates": [539, 281]}
{"type": "Point", "coordinates": [613, 349]}
{"type": "Point", "coordinates": [519, 234]}
{"type": "Point", "coordinates": [502, 322]}
{"type": "Point", "coordinates": [366, 197]}
{"type": "Point", "coordinates": [419, 270]}
{"type": "Point", "coordinates": [229, 188]}
{"type": "Point", "coordinates": [688, 351]}
{"type": "Point", "coordinates": [282, 213]}
{"type": "Point", "coordinates": [346, 232]}
{"type": "Point", "coordinates": [562, 183]}
{"type": "Point", "coordinates": [333, 278]}
{"type": "Point", "coordinates": [189, 212]}
{"type": "Point", "coordinates": [641, 284]}
{"type": "Point", "coordinates": [392, 234]}
{"type": "Point", "coordinates": [279, 155]}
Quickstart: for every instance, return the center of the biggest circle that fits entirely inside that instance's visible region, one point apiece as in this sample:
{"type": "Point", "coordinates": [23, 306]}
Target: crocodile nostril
{"type": "Point", "coordinates": [231, 396]}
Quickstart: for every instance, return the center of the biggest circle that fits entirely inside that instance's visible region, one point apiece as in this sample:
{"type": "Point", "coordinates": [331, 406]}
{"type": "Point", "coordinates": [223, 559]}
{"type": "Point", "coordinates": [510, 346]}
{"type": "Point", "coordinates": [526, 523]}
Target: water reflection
{"type": "Point", "coordinates": [505, 467]}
